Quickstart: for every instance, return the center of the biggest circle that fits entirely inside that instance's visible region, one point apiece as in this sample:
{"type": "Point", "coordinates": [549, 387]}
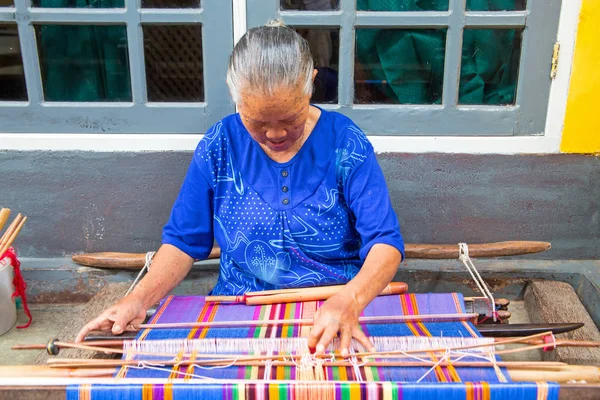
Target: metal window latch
{"type": "Point", "coordinates": [555, 54]}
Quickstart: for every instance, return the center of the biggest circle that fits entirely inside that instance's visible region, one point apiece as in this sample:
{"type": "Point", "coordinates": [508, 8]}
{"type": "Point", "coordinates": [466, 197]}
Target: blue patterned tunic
{"type": "Point", "coordinates": [310, 221]}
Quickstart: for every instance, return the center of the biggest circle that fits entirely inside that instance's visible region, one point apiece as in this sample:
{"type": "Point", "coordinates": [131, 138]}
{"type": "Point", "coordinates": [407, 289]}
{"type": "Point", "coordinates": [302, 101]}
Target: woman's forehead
{"type": "Point", "coordinates": [281, 105]}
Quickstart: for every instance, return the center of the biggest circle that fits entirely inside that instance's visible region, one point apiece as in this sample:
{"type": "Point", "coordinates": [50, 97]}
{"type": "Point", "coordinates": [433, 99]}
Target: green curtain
{"type": "Point", "coordinates": [84, 62]}
{"type": "Point", "coordinates": [409, 63]}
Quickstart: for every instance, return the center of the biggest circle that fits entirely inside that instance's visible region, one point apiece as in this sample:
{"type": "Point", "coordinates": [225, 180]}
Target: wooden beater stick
{"type": "Point", "coordinates": [4, 214]}
{"type": "Point", "coordinates": [119, 260]}
{"type": "Point", "coordinates": [298, 294]}
{"type": "Point", "coordinates": [13, 236]}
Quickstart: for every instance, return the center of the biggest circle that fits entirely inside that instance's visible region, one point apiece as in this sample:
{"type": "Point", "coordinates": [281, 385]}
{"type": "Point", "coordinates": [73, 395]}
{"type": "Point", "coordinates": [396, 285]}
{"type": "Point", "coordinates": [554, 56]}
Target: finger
{"type": "Point", "coordinates": [121, 320]}
{"type": "Point", "coordinates": [327, 337]}
{"type": "Point", "coordinates": [93, 325]}
{"type": "Point", "coordinates": [314, 336]}
{"type": "Point", "coordinates": [345, 341]}
{"type": "Point", "coordinates": [360, 336]}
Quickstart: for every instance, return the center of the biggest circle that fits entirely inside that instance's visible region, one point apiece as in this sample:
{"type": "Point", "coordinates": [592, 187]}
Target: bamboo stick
{"type": "Point", "coordinates": [566, 373]}
{"type": "Point", "coordinates": [498, 341]}
{"type": "Point", "coordinates": [13, 236]}
{"type": "Point", "coordinates": [83, 363]}
{"type": "Point", "coordinates": [376, 354]}
{"type": "Point", "coordinates": [10, 230]}
{"type": "Point", "coordinates": [43, 371]}
{"type": "Point", "coordinates": [298, 294]}
{"type": "Point", "coordinates": [309, 321]}
{"type": "Point", "coordinates": [4, 214]}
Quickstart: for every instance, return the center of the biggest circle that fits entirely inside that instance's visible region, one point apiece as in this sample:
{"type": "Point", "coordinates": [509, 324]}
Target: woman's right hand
{"type": "Point", "coordinates": [129, 311]}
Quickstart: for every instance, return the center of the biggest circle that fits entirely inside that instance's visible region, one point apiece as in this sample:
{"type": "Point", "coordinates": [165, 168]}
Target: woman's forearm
{"type": "Point", "coordinates": [377, 272]}
{"type": "Point", "coordinates": [169, 266]}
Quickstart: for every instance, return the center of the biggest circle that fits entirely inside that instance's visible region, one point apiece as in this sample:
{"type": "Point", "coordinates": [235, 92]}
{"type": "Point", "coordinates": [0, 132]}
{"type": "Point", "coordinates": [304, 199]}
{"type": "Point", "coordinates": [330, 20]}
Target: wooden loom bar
{"type": "Point", "coordinates": [84, 363]}
{"type": "Point", "coordinates": [24, 388]}
{"type": "Point", "coordinates": [556, 374]}
{"type": "Point", "coordinates": [298, 295]}
{"type": "Point", "coordinates": [309, 321]}
{"type": "Point", "coordinates": [120, 260]}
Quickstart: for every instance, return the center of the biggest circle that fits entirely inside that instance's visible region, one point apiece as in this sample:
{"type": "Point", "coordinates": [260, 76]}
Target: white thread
{"type": "Point", "coordinates": [355, 366]}
{"type": "Point", "coordinates": [147, 365]}
{"type": "Point", "coordinates": [463, 255]}
{"type": "Point", "coordinates": [297, 346]}
{"type": "Point", "coordinates": [149, 256]}
{"type": "Point", "coordinates": [434, 366]}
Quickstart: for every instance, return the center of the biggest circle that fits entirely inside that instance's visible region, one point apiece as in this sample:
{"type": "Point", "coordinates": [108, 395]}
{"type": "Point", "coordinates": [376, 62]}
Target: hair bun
{"type": "Point", "coordinates": [272, 23]}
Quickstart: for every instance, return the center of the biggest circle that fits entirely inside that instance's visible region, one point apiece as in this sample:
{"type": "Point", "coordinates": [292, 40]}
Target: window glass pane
{"type": "Point", "coordinates": [171, 3]}
{"type": "Point", "coordinates": [399, 66]}
{"type": "Point", "coordinates": [324, 46]}
{"type": "Point", "coordinates": [173, 56]}
{"type": "Point", "coordinates": [496, 5]}
{"type": "Point", "coordinates": [84, 63]}
{"type": "Point", "coordinates": [12, 76]}
{"type": "Point", "coordinates": [402, 5]}
{"type": "Point", "coordinates": [79, 3]}
{"type": "Point", "coordinates": [310, 5]}
{"type": "Point", "coordinates": [490, 66]}
{"type": "Point", "coordinates": [7, 3]}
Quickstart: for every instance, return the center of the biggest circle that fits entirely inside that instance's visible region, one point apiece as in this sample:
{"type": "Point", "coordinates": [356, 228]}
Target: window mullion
{"type": "Point", "coordinates": [453, 53]}
{"type": "Point", "coordinates": [135, 43]}
{"type": "Point", "coordinates": [31, 65]}
{"type": "Point", "coordinates": [346, 57]}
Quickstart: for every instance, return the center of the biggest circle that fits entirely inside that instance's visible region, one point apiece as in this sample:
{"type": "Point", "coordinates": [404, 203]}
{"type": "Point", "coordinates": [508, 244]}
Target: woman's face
{"type": "Point", "coordinates": [276, 122]}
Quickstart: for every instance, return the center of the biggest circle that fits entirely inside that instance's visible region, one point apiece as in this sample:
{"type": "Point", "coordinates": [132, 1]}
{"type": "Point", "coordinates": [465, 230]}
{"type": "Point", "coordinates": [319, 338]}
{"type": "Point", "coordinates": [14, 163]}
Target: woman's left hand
{"type": "Point", "coordinates": [338, 314]}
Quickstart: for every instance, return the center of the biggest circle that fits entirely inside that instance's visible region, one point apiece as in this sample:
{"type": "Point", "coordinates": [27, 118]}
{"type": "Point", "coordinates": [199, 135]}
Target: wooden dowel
{"type": "Point", "coordinates": [13, 236]}
{"type": "Point", "coordinates": [298, 294]}
{"type": "Point", "coordinates": [120, 260]}
{"type": "Point", "coordinates": [498, 249]}
{"type": "Point", "coordinates": [517, 373]}
{"type": "Point", "coordinates": [44, 371]}
{"type": "Point", "coordinates": [11, 228]}
{"type": "Point", "coordinates": [539, 365]}
{"type": "Point", "coordinates": [309, 321]}
{"type": "Point", "coordinates": [315, 295]}
{"type": "Point", "coordinates": [224, 299]}
{"type": "Point", "coordinates": [4, 214]}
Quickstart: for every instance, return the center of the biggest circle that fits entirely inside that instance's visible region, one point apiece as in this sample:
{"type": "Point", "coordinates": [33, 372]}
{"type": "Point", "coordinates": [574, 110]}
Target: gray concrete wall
{"type": "Point", "coordinates": [84, 201]}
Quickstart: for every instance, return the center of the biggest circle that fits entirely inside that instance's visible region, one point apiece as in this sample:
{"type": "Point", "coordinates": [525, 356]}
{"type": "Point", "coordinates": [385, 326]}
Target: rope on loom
{"type": "Point", "coordinates": [463, 255]}
{"type": "Point", "coordinates": [149, 256]}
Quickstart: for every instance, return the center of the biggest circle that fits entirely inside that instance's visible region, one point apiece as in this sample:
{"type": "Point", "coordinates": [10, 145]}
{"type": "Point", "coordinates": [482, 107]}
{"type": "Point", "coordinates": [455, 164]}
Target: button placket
{"type": "Point", "coordinates": [284, 187]}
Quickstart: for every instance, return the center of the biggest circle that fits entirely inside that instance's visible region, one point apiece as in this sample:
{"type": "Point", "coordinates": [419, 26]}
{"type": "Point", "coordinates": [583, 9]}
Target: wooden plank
{"type": "Point", "coordinates": [107, 297]}
{"type": "Point", "coordinates": [556, 302]}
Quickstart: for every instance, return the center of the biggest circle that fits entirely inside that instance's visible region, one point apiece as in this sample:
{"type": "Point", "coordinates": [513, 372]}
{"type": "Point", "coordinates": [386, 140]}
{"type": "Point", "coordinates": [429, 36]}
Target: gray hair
{"type": "Point", "coordinates": [268, 57]}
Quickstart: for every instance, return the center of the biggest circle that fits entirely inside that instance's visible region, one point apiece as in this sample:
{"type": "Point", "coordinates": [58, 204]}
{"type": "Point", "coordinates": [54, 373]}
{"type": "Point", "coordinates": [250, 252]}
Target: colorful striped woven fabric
{"type": "Point", "coordinates": [279, 381]}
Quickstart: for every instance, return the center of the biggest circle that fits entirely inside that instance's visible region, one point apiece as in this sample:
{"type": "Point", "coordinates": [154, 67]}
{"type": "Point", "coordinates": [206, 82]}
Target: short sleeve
{"type": "Point", "coordinates": [369, 200]}
{"type": "Point", "coordinates": [190, 227]}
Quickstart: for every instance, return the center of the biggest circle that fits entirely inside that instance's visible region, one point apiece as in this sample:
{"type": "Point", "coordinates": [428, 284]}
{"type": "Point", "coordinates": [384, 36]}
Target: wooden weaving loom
{"type": "Point", "coordinates": [428, 345]}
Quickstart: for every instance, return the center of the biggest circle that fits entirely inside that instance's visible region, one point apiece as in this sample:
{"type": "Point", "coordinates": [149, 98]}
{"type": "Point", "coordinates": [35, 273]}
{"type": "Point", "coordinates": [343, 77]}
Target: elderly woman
{"type": "Point", "coordinates": [292, 194]}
